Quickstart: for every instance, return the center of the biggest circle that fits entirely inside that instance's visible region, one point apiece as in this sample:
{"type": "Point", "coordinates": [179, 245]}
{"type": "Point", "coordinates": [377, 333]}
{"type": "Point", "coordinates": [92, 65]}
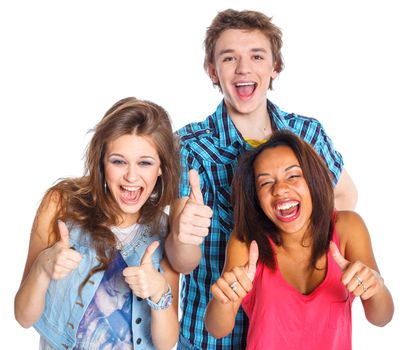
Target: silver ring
{"type": "Point", "coordinates": [233, 286]}
{"type": "Point", "coordinates": [358, 279]}
{"type": "Point", "coordinates": [363, 287]}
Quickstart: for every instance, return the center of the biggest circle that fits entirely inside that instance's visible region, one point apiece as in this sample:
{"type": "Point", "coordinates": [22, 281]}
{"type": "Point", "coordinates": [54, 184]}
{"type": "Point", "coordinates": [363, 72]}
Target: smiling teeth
{"type": "Point", "coordinates": [244, 84]}
{"type": "Point", "coordinates": [130, 189]}
{"type": "Point", "coordinates": [287, 205]}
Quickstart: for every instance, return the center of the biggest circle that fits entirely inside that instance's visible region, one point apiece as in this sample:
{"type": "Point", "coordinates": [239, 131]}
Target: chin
{"type": "Point", "coordinates": [131, 209]}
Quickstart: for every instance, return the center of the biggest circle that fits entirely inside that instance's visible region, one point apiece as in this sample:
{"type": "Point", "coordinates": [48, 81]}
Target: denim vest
{"type": "Point", "coordinates": [64, 309]}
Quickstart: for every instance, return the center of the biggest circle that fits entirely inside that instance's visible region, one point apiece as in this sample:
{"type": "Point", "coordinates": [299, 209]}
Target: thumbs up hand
{"type": "Point", "coordinates": [195, 218]}
{"type": "Point", "coordinates": [59, 260]}
{"type": "Point", "coordinates": [358, 278]}
{"type": "Point", "coordinates": [144, 280]}
{"type": "Point", "coordinates": [235, 284]}
{"type": "Point", "coordinates": [250, 268]}
{"type": "Point", "coordinates": [195, 192]}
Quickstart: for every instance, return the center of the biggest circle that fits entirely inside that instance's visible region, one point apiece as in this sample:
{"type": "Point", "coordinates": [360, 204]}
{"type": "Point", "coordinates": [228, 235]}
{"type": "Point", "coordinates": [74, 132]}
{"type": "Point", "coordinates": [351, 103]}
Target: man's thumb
{"type": "Point", "coordinates": [64, 233]}
{"type": "Point", "coordinates": [253, 257]}
{"type": "Point", "coordinates": [147, 257]}
{"type": "Point", "coordinates": [195, 191]}
{"type": "Point", "coordinates": [337, 256]}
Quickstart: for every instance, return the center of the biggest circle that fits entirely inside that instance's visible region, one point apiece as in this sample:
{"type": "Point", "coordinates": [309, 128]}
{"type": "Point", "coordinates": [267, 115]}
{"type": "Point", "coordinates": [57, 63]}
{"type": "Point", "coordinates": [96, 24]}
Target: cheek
{"type": "Point", "coordinates": [266, 71]}
{"type": "Point", "coordinates": [306, 196]}
{"type": "Point", "coordinates": [151, 177]}
{"type": "Point", "coordinates": [264, 199]}
{"type": "Point", "coordinates": [111, 174]}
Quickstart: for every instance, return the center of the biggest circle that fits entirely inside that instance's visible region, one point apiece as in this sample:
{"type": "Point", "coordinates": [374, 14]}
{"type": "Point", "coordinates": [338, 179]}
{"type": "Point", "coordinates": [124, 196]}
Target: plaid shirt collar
{"type": "Point", "coordinates": [227, 132]}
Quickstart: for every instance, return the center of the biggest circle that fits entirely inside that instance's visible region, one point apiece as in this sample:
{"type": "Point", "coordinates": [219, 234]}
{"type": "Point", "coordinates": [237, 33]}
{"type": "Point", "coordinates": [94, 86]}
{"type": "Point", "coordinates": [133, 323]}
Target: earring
{"type": "Point", "coordinates": [153, 196]}
{"type": "Point", "coordinates": [105, 188]}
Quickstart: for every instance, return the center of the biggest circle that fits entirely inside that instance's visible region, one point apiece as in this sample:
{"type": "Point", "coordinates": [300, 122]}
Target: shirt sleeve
{"type": "Point", "coordinates": [188, 161]}
{"type": "Point", "coordinates": [333, 158]}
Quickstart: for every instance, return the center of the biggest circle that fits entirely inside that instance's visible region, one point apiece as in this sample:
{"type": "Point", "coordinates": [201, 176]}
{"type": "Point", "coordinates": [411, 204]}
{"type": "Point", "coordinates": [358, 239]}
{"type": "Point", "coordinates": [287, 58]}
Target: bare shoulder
{"type": "Point", "coordinates": [355, 240]}
{"type": "Point", "coordinates": [348, 224]}
{"type": "Point", "coordinates": [348, 217]}
{"type": "Point", "coordinates": [48, 208]}
{"type": "Point", "coordinates": [42, 228]}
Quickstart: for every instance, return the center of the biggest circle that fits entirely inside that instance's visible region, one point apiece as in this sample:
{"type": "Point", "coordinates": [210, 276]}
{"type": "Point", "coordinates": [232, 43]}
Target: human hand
{"type": "Point", "coordinates": [59, 260]}
{"type": "Point", "coordinates": [359, 279]}
{"type": "Point", "coordinates": [235, 284]}
{"type": "Point", "coordinates": [195, 218]}
{"type": "Point", "coordinates": [144, 280]}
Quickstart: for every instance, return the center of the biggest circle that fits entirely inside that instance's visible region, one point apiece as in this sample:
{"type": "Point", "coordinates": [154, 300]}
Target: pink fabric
{"type": "Point", "coordinates": [282, 318]}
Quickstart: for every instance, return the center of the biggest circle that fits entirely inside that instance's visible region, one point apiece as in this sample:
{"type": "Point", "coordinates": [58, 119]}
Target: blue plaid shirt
{"type": "Point", "coordinates": [212, 147]}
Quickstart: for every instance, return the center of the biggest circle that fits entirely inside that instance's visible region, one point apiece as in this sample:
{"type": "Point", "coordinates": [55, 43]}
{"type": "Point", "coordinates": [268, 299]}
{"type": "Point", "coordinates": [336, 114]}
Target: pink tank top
{"type": "Point", "coordinates": [280, 317]}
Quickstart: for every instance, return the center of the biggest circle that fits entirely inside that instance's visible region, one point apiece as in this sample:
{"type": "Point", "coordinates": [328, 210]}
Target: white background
{"type": "Point", "coordinates": [348, 64]}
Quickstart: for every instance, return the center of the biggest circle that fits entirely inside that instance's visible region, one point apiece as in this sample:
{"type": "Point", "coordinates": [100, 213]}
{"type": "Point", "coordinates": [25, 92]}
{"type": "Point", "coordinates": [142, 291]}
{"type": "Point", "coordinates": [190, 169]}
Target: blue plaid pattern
{"type": "Point", "coordinates": [212, 147]}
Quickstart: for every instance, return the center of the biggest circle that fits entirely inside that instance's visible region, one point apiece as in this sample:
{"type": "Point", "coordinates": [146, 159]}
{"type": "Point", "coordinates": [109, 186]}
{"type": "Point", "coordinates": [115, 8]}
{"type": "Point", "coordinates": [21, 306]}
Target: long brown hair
{"type": "Point", "coordinates": [248, 20]}
{"type": "Point", "coordinates": [84, 202]}
{"type": "Point", "coordinates": [251, 223]}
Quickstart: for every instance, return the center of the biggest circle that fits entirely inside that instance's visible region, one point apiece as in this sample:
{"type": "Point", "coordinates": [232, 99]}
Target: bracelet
{"type": "Point", "coordinates": [164, 302]}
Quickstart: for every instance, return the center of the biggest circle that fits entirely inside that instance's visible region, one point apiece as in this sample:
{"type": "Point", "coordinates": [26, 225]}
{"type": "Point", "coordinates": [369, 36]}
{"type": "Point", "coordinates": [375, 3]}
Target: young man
{"type": "Point", "coordinates": [242, 57]}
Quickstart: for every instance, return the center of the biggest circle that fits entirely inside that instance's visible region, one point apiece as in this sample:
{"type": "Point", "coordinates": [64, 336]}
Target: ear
{"type": "Point", "coordinates": [213, 74]}
{"type": "Point", "coordinates": [274, 72]}
{"type": "Point", "coordinates": [159, 171]}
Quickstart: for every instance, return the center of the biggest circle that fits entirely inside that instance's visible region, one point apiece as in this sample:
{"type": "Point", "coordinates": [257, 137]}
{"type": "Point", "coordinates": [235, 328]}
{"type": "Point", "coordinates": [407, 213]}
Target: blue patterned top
{"type": "Point", "coordinates": [106, 315]}
{"type": "Point", "coordinates": [212, 147]}
{"type": "Point", "coordinates": [106, 323]}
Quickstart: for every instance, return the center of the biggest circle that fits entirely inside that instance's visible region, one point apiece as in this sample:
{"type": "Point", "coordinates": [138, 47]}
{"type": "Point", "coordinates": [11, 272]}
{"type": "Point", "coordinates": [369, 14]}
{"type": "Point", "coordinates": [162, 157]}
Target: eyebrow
{"type": "Point", "coordinates": [122, 156]}
{"type": "Point", "coordinates": [287, 169]}
{"type": "Point", "coordinates": [226, 51]}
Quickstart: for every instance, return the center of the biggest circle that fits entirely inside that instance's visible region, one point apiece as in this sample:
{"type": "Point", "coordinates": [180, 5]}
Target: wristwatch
{"type": "Point", "coordinates": [164, 302]}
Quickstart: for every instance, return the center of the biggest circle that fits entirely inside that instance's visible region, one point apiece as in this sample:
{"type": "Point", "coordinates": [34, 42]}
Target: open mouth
{"type": "Point", "coordinates": [287, 211]}
{"type": "Point", "coordinates": [130, 194]}
{"type": "Point", "coordinates": [245, 89]}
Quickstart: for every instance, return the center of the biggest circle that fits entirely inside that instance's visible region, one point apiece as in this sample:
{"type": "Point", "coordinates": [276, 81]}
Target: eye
{"type": "Point", "coordinates": [145, 163]}
{"type": "Point", "coordinates": [265, 183]}
{"type": "Point", "coordinates": [228, 59]}
{"type": "Point", "coordinates": [117, 161]}
{"type": "Point", "coordinates": [294, 176]}
{"type": "Point", "coordinates": [257, 57]}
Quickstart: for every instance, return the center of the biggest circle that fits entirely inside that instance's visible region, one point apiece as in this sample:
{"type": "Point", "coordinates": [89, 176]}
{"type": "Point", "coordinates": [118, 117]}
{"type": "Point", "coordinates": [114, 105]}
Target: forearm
{"type": "Point", "coordinates": [184, 258]}
{"type": "Point", "coordinates": [164, 328]}
{"type": "Point", "coordinates": [220, 318]}
{"type": "Point", "coordinates": [379, 309]}
{"type": "Point", "coordinates": [30, 299]}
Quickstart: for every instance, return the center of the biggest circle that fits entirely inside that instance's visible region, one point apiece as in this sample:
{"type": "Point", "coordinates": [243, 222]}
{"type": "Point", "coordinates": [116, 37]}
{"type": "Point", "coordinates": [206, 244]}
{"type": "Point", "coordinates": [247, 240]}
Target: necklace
{"type": "Point", "coordinates": [264, 131]}
{"type": "Point", "coordinates": [267, 130]}
{"type": "Point", "coordinates": [124, 235]}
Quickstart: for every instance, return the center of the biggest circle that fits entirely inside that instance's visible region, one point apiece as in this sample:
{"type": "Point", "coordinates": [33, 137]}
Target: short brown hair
{"type": "Point", "coordinates": [249, 20]}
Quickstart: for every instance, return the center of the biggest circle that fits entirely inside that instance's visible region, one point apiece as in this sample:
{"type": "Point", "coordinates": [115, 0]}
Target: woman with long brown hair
{"type": "Point", "coordinates": [294, 263]}
{"type": "Point", "coordinates": [96, 276]}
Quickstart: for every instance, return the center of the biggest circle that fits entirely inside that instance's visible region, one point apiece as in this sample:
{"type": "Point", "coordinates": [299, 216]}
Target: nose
{"type": "Point", "coordinates": [280, 189]}
{"type": "Point", "coordinates": [130, 174]}
{"type": "Point", "coordinates": [243, 66]}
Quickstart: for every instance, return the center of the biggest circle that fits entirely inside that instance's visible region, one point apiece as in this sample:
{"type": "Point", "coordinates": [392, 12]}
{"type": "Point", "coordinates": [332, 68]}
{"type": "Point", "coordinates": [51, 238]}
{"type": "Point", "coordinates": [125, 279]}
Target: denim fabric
{"type": "Point", "coordinates": [64, 308]}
